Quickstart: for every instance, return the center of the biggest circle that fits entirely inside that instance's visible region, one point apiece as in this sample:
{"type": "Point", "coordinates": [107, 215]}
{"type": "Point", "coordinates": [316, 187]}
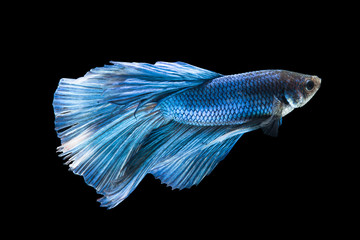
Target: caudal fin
{"type": "Point", "coordinates": [104, 117]}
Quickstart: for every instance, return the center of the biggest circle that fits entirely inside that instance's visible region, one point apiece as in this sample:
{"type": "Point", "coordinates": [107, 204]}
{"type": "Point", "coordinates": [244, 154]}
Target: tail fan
{"type": "Point", "coordinates": [104, 118]}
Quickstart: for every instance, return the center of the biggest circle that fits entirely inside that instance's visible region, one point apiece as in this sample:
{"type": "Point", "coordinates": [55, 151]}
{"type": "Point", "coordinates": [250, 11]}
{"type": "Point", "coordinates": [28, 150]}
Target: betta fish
{"type": "Point", "coordinates": [173, 120]}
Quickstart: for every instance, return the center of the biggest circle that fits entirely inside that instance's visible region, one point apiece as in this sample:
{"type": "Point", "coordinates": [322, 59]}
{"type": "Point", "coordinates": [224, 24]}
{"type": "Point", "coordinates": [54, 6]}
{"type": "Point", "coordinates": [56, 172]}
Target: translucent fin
{"type": "Point", "coordinates": [272, 129]}
{"type": "Point", "coordinates": [103, 117]}
{"type": "Point", "coordinates": [98, 137]}
{"type": "Point", "coordinates": [271, 125]}
{"type": "Point", "coordinates": [180, 155]}
{"type": "Point", "coordinates": [185, 171]}
{"type": "Point", "coordinates": [186, 154]}
{"type": "Point", "coordinates": [149, 82]}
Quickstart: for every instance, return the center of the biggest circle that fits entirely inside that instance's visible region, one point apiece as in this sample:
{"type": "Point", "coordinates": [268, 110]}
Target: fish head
{"type": "Point", "coordinates": [300, 88]}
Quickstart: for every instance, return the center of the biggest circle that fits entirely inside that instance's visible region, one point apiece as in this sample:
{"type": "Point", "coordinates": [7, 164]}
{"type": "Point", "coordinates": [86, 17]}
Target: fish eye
{"type": "Point", "coordinates": [309, 85]}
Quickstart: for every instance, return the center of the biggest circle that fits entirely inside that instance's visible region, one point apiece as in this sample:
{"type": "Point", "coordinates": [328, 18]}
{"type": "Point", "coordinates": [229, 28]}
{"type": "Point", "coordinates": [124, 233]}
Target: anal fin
{"type": "Point", "coordinates": [190, 153]}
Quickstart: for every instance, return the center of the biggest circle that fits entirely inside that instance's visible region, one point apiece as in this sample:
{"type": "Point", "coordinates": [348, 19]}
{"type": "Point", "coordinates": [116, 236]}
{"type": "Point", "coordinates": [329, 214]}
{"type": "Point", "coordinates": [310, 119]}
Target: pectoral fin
{"type": "Point", "coordinates": [272, 129]}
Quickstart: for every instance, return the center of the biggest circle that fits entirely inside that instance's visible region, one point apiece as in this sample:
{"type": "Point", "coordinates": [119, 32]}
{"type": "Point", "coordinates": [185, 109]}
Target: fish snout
{"type": "Point", "coordinates": [317, 81]}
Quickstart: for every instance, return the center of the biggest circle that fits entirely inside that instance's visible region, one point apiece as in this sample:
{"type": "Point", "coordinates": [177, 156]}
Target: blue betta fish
{"type": "Point", "coordinates": [173, 120]}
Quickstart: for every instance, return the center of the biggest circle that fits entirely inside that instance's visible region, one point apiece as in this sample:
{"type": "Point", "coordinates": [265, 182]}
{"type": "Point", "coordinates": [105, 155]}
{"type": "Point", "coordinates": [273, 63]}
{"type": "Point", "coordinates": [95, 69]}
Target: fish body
{"type": "Point", "coordinates": [235, 99]}
{"type": "Point", "coordinates": [173, 120]}
{"type": "Point", "coordinates": [227, 100]}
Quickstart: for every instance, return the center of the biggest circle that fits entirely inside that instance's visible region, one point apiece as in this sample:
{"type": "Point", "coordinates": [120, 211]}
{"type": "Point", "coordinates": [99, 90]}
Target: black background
{"type": "Point", "coordinates": [296, 182]}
